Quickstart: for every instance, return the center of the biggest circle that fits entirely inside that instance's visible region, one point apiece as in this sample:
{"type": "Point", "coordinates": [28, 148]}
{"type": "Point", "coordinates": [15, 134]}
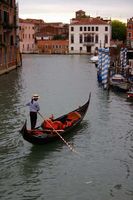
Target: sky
{"type": "Point", "coordinates": [63, 11]}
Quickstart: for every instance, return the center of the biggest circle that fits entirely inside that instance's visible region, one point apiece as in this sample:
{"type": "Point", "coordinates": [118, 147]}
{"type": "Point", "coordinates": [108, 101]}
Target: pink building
{"type": "Point", "coordinates": [27, 36]}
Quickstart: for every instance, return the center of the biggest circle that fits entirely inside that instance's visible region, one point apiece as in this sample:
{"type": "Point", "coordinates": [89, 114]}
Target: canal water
{"type": "Point", "coordinates": [103, 169]}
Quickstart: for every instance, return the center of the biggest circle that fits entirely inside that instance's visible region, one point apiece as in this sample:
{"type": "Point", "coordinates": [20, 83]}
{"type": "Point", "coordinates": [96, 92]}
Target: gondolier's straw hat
{"type": "Point", "coordinates": [35, 96]}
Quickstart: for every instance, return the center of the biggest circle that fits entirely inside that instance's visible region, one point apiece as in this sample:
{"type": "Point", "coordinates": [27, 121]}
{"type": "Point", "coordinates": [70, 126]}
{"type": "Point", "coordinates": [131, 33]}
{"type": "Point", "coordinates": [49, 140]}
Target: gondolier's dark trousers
{"type": "Point", "coordinates": [33, 119]}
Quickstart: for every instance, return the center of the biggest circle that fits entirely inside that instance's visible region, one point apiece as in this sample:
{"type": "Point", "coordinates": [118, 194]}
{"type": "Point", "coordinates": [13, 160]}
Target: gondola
{"type": "Point", "coordinates": [50, 130]}
{"type": "Point", "coordinates": [130, 94]}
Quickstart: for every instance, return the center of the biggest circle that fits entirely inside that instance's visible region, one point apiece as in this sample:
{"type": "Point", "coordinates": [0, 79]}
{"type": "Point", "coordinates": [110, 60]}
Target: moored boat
{"type": "Point", "coordinates": [130, 94]}
{"type": "Point", "coordinates": [50, 130]}
{"type": "Point", "coordinates": [119, 82]}
{"type": "Point", "coordinates": [94, 59]}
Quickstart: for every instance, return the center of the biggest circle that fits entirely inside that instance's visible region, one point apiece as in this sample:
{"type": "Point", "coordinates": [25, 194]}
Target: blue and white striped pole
{"type": "Point", "coordinates": [121, 57]}
{"type": "Point", "coordinates": [99, 58]}
{"type": "Point", "coordinates": [103, 62]}
{"type": "Point", "coordinates": [105, 68]}
{"type": "Point", "coordinates": [99, 64]}
{"type": "Point", "coordinates": [125, 58]}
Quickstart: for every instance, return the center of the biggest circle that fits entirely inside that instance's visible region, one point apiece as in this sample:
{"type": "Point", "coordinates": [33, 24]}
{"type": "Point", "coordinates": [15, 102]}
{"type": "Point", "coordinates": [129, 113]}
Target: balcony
{"type": "Point", "coordinates": [88, 43]}
{"type": "Point", "coordinates": [8, 26]}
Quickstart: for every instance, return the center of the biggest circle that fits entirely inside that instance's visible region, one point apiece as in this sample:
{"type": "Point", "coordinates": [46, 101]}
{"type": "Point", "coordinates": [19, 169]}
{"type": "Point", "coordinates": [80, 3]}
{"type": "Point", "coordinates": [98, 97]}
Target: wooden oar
{"type": "Point", "coordinates": [70, 147]}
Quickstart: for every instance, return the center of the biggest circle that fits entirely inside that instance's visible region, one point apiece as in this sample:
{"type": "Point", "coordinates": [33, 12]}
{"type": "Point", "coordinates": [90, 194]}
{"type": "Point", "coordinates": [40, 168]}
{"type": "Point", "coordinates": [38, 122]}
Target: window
{"type": "Point", "coordinates": [28, 47]}
{"type": "Point", "coordinates": [88, 28]}
{"type": "Point", "coordinates": [5, 38]}
{"type": "Point", "coordinates": [11, 40]}
{"type": "Point", "coordinates": [80, 48]}
{"type": "Point", "coordinates": [96, 28]}
{"type": "Point", "coordinates": [11, 3]}
{"type": "Point", "coordinates": [80, 38]}
{"type": "Point", "coordinates": [106, 28]}
{"type": "Point", "coordinates": [84, 28]}
{"type": "Point", "coordinates": [92, 28]}
{"type": "Point", "coordinates": [0, 38]}
{"type": "Point", "coordinates": [80, 28]}
{"type": "Point", "coordinates": [72, 48]}
{"type": "Point", "coordinates": [96, 39]}
{"type": "Point", "coordinates": [72, 38]}
{"type": "Point", "coordinates": [72, 28]}
{"type": "Point", "coordinates": [129, 35]}
{"type": "Point", "coordinates": [106, 39]}
{"type": "Point", "coordinates": [6, 17]}
{"type": "Point", "coordinates": [89, 38]}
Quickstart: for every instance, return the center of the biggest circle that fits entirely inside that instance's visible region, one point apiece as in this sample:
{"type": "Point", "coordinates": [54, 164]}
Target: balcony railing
{"type": "Point", "coordinates": [89, 43]}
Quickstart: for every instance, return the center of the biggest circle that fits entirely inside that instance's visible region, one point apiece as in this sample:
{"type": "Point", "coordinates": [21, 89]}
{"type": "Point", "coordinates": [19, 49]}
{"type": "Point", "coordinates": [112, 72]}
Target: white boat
{"type": "Point", "coordinates": [94, 59]}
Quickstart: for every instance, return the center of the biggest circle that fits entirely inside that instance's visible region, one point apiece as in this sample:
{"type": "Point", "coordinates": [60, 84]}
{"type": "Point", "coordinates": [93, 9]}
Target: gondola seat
{"type": "Point", "coordinates": [49, 124]}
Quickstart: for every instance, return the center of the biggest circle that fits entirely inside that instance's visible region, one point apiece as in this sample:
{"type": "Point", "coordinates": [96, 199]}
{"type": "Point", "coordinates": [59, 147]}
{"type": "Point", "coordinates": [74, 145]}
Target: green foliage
{"type": "Point", "coordinates": [118, 30]}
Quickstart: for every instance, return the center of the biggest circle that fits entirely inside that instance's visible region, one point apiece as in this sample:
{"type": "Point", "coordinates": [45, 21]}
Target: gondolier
{"type": "Point", "coordinates": [34, 108]}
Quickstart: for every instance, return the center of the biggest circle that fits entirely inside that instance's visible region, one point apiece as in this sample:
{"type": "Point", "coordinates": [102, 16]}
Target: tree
{"type": "Point", "coordinates": [118, 30]}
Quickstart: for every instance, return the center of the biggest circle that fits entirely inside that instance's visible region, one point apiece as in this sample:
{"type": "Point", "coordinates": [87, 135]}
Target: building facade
{"type": "Point", "coordinates": [36, 36]}
{"type": "Point", "coordinates": [9, 43]}
{"type": "Point", "coordinates": [87, 34]}
{"type": "Point", "coordinates": [130, 33]}
{"type": "Point", "coordinates": [27, 36]}
{"type": "Point", "coordinates": [53, 46]}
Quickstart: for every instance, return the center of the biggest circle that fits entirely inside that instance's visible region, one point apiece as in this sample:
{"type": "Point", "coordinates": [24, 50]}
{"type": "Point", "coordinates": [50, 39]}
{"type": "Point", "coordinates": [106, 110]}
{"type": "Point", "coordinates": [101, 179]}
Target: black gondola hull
{"type": "Point", "coordinates": [47, 136]}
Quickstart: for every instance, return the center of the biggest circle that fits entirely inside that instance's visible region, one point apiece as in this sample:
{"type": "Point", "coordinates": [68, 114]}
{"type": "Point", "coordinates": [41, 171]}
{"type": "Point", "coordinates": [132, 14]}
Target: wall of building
{"type": "Point", "coordinates": [85, 47]}
{"type": "Point", "coordinates": [9, 48]}
{"type": "Point", "coordinates": [53, 46]}
{"type": "Point", "coordinates": [130, 33]}
{"type": "Point", "coordinates": [27, 37]}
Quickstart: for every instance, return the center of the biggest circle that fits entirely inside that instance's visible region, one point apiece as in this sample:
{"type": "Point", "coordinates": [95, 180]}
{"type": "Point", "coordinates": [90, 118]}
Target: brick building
{"type": "Point", "coordinates": [9, 43]}
{"type": "Point", "coordinates": [130, 32]}
{"type": "Point", "coordinates": [53, 46]}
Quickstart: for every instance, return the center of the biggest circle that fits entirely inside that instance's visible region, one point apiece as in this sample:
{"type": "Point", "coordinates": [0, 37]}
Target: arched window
{"type": "Point", "coordinates": [106, 39]}
{"type": "Point", "coordinates": [72, 38]}
{"type": "Point", "coordinates": [96, 39]}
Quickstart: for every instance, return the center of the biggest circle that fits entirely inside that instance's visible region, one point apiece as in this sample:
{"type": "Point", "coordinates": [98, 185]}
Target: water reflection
{"type": "Point", "coordinates": [42, 153]}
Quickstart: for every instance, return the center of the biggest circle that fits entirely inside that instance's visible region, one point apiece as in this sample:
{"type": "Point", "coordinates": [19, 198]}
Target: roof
{"type": "Point", "coordinates": [31, 21]}
{"type": "Point", "coordinates": [89, 21]}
